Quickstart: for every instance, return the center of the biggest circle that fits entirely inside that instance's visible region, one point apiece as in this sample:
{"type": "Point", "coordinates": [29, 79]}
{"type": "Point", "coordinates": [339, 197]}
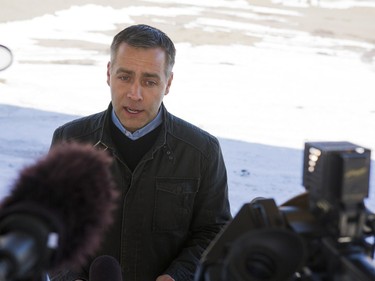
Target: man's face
{"type": "Point", "coordinates": [138, 84]}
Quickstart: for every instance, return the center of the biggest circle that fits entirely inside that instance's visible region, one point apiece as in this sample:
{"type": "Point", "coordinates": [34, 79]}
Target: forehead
{"type": "Point", "coordinates": [138, 57]}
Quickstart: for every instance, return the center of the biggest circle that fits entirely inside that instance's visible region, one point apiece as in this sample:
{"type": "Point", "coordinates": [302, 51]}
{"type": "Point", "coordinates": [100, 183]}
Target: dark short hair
{"type": "Point", "coordinates": [145, 36]}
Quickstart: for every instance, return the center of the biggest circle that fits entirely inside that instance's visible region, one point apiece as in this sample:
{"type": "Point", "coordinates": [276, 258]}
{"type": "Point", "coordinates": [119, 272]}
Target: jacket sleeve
{"type": "Point", "coordinates": [211, 214]}
{"type": "Point", "coordinates": [63, 274]}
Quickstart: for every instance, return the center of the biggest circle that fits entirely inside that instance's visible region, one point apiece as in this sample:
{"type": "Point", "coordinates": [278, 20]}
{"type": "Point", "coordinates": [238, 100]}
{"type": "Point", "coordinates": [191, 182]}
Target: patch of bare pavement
{"type": "Point", "coordinates": [227, 25]}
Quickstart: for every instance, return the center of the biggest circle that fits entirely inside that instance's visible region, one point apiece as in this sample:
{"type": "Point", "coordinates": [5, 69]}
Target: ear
{"type": "Point", "coordinates": [169, 83]}
{"type": "Point", "coordinates": [108, 73]}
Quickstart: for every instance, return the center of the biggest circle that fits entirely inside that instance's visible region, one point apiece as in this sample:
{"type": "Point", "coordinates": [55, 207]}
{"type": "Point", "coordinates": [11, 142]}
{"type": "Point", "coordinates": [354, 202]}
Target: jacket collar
{"type": "Point", "coordinates": [105, 141]}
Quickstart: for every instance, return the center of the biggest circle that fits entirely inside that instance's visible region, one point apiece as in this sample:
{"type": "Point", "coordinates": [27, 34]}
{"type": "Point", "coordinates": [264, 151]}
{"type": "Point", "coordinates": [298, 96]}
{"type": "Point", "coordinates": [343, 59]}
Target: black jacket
{"type": "Point", "coordinates": [172, 205]}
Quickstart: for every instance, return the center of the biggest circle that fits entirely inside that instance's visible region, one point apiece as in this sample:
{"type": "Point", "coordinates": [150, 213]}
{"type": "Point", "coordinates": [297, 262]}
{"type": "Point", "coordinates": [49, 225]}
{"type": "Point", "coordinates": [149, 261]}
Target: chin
{"type": "Point", "coordinates": [132, 127]}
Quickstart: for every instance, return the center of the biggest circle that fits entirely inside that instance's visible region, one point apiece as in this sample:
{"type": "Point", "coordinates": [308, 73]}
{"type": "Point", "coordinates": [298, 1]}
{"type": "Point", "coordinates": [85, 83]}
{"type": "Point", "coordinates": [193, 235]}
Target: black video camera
{"type": "Point", "coordinates": [323, 234]}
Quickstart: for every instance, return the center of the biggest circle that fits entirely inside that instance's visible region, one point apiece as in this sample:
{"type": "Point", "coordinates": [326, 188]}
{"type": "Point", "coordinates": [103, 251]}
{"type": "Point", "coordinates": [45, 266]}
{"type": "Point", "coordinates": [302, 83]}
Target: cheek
{"type": "Point", "coordinates": [157, 98]}
{"type": "Point", "coordinates": [115, 95]}
{"type": "Point", "coordinates": [117, 89]}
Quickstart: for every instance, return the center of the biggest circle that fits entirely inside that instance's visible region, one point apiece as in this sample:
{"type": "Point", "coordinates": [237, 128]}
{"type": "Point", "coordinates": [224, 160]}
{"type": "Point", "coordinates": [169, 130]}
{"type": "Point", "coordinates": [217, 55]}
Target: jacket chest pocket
{"type": "Point", "coordinates": [174, 202]}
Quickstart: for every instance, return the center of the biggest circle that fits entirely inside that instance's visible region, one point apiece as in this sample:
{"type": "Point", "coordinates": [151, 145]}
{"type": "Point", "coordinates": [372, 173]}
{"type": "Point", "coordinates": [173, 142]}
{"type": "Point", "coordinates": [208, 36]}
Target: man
{"type": "Point", "coordinates": [171, 174]}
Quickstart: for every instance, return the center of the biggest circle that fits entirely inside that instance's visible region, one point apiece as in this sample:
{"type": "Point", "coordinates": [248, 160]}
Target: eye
{"type": "Point", "coordinates": [150, 83]}
{"type": "Point", "coordinates": [124, 77]}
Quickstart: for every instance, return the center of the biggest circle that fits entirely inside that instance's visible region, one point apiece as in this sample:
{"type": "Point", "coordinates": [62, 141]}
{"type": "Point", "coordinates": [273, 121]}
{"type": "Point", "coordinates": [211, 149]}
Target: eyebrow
{"type": "Point", "coordinates": [144, 74]}
{"type": "Point", "coordinates": [121, 69]}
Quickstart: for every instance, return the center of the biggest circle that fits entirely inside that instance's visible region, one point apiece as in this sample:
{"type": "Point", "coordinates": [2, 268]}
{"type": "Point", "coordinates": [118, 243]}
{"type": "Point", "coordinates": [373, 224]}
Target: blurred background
{"type": "Point", "coordinates": [264, 76]}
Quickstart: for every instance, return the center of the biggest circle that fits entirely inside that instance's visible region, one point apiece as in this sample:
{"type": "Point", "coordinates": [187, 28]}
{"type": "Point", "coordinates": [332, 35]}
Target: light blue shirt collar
{"type": "Point", "coordinates": [142, 131]}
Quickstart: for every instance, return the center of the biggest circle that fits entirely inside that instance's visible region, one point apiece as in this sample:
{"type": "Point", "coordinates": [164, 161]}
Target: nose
{"type": "Point", "coordinates": [135, 92]}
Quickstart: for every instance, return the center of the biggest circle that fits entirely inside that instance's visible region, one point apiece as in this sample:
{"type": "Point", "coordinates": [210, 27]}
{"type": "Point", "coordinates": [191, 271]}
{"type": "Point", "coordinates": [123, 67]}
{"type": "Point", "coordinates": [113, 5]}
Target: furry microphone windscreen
{"type": "Point", "coordinates": [71, 187]}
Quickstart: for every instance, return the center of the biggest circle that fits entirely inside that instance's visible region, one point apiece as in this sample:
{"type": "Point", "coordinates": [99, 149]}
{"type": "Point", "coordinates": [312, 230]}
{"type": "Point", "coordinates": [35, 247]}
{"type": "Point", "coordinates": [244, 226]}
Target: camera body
{"type": "Point", "coordinates": [322, 234]}
{"type": "Point", "coordinates": [337, 176]}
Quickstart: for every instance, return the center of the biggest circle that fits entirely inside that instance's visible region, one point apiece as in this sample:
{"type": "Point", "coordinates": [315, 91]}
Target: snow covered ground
{"type": "Point", "coordinates": [263, 76]}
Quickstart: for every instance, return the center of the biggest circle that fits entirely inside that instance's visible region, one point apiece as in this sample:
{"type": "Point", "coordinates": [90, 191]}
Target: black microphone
{"type": "Point", "coordinates": [105, 268]}
{"type": "Point", "coordinates": [57, 212]}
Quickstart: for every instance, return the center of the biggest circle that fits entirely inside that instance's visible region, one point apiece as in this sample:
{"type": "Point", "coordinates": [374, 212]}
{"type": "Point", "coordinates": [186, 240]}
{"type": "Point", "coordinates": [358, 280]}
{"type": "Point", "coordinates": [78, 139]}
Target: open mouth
{"type": "Point", "coordinates": [132, 111]}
